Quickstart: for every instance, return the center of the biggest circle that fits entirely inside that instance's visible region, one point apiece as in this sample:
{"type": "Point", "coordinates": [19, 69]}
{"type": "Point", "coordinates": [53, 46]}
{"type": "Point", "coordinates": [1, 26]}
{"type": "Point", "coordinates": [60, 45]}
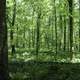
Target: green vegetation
{"type": "Point", "coordinates": [39, 39]}
{"type": "Point", "coordinates": [45, 30]}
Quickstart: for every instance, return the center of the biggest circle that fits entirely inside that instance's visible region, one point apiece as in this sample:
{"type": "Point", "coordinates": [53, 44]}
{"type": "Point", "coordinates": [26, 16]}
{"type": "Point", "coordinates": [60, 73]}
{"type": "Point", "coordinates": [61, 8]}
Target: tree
{"type": "Point", "coordinates": [38, 32]}
{"type": "Point", "coordinates": [60, 25]}
{"type": "Point", "coordinates": [12, 31]}
{"type": "Point", "coordinates": [3, 42]}
{"type": "Point", "coordinates": [71, 25]}
{"type": "Point", "coordinates": [64, 33]}
{"type": "Point", "coordinates": [79, 26]}
{"type": "Point", "coordinates": [55, 27]}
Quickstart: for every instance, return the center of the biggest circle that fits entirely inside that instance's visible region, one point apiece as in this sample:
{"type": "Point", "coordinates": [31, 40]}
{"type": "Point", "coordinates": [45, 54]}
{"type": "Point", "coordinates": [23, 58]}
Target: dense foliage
{"type": "Point", "coordinates": [47, 29]}
{"type": "Point", "coordinates": [43, 31]}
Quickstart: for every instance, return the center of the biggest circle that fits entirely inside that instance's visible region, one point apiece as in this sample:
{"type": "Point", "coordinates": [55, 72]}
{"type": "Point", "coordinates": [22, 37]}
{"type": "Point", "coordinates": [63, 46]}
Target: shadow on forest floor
{"type": "Point", "coordinates": [33, 70]}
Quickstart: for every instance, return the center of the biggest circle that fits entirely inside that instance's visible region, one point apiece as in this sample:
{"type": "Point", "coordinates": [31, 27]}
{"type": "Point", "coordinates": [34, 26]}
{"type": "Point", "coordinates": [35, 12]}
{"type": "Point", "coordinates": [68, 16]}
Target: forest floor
{"type": "Point", "coordinates": [24, 66]}
{"type": "Point", "coordinates": [33, 70]}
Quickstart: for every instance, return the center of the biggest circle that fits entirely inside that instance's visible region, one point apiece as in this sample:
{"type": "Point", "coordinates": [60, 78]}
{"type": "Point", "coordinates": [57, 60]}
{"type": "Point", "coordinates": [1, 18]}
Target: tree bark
{"type": "Point", "coordinates": [71, 25]}
{"type": "Point", "coordinates": [64, 32]}
{"type": "Point", "coordinates": [79, 26]}
{"type": "Point", "coordinates": [38, 33]}
{"type": "Point", "coordinates": [61, 31]}
{"type": "Point", "coordinates": [3, 42]}
{"type": "Point", "coordinates": [12, 31]}
{"type": "Point", "coordinates": [55, 30]}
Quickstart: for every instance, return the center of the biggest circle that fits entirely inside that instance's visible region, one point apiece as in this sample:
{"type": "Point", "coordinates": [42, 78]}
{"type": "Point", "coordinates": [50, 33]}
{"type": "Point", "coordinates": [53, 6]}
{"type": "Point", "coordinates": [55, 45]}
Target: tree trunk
{"type": "Point", "coordinates": [29, 39]}
{"type": "Point", "coordinates": [64, 32]}
{"type": "Point", "coordinates": [24, 37]}
{"type": "Point", "coordinates": [3, 42]}
{"type": "Point", "coordinates": [61, 32]}
{"type": "Point", "coordinates": [71, 26]}
{"type": "Point", "coordinates": [12, 32]}
{"type": "Point", "coordinates": [79, 26]}
{"type": "Point", "coordinates": [38, 34]}
{"type": "Point", "coordinates": [55, 30]}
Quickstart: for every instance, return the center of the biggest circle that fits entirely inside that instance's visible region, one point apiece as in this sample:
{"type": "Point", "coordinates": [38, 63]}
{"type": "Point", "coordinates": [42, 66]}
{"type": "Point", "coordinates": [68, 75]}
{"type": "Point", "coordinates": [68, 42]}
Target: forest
{"type": "Point", "coordinates": [39, 39]}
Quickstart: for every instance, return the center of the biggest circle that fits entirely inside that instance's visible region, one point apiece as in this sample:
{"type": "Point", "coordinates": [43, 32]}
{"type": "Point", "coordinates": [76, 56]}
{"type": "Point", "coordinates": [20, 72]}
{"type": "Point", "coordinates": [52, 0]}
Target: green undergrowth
{"type": "Point", "coordinates": [44, 71]}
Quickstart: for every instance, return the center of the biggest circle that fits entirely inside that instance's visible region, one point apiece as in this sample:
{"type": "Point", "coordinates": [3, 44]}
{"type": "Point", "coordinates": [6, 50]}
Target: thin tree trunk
{"type": "Point", "coordinates": [29, 46]}
{"type": "Point", "coordinates": [52, 32]}
{"type": "Point", "coordinates": [33, 38]}
{"type": "Point", "coordinates": [24, 38]}
{"type": "Point", "coordinates": [79, 26]}
{"type": "Point", "coordinates": [12, 33]}
{"type": "Point", "coordinates": [71, 25]}
{"type": "Point", "coordinates": [17, 39]}
{"type": "Point", "coordinates": [60, 42]}
{"type": "Point", "coordinates": [38, 34]}
{"type": "Point", "coordinates": [55, 30]}
{"type": "Point", "coordinates": [64, 32]}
